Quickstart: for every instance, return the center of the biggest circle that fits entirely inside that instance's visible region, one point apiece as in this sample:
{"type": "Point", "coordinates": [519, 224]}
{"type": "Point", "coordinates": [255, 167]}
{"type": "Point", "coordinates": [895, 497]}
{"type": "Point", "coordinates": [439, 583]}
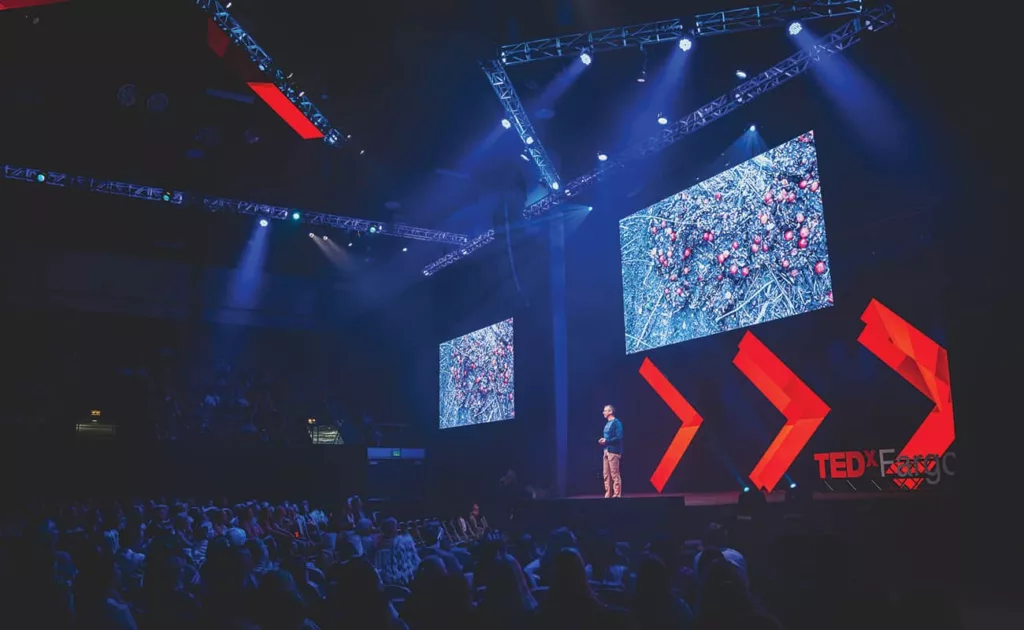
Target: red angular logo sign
{"type": "Point", "coordinates": [925, 365]}
{"type": "Point", "coordinates": [802, 408]}
{"type": "Point", "coordinates": [684, 411]}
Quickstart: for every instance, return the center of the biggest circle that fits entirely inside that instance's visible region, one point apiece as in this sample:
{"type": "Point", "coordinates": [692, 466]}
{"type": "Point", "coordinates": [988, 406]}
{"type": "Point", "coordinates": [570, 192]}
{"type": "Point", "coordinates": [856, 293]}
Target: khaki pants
{"type": "Point", "coordinates": [612, 477]}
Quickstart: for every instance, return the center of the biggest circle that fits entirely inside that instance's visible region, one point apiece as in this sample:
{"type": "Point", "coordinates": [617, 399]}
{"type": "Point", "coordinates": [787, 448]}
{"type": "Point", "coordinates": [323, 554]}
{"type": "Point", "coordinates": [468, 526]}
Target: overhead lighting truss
{"type": "Point", "coordinates": [773, 15]}
{"type": "Point", "coordinates": [789, 68]}
{"type": "Point", "coordinates": [265, 63]}
{"type": "Point", "coordinates": [642, 35]}
{"type": "Point", "coordinates": [218, 204]}
{"type": "Point", "coordinates": [592, 42]}
{"type": "Point", "coordinates": [458, 254]}
{"type": "Point", "coordinates": [103, 186]}
{"type": "Point", "coordinates": [516, 113]}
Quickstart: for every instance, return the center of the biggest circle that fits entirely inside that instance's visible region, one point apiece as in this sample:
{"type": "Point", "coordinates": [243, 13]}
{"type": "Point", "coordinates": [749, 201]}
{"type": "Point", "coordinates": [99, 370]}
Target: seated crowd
{"type": "Point", "coordinates": [257, 565]}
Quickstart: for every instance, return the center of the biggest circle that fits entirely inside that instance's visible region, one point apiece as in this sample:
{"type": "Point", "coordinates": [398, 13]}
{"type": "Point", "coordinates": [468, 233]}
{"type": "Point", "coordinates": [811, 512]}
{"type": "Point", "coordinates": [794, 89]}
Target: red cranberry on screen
{"type": "Point", "coordinates": [794, 273]}
{"type": "Point", "coordinates": [814, 186]}
{"type": "Point", "coordinates": [687, 252]}
{"type": "Point", "coordinates": [788, 235]}
{"type": "Point", "coordinates": [718, 196]}
{"type": "Point", "coordinates": [819, 267]}
{"type": "Point", "coordinates": [803, 183]}
{"type": "Point", "coordinates": [711, 236]}
{"type": "Point", "coordinates": [733, 269]}
{"type": "Point", "coordinates": [735, 245]}
{"type": "Point", "coordinates": [746, 271]}
{"type": "Point", "coordinates": [784, 182]}
{"type": "Point", "coordinates": [829, 297]}
{"type": "Point", "coordinates": [791, 198]}
{"type": "Point", "coordinates": [654, 229]}
{"type": "Point", "coordinates": [674, 277]}
{"type": "Point", "coordinates": [755, 248]}
{"type": "Point", "coordinates": [764, 219]}
{"type": "Point", "coordinates": [785, 264]}
{"type": "Point", "coordinates": [799, 217]}
{"type": "Point", "coordinates": [757, 239]}
{"type": "Point", "coordinates": [805, 232]}
{"type": "Point", "coordinates": [802, 243]}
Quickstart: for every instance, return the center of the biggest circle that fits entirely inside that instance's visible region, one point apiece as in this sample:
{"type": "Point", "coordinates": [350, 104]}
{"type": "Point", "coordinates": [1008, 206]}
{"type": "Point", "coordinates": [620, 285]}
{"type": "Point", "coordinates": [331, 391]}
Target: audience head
{"type": "Point", "coordinates": [569, 581]}
{"type": "Point", "coordinates": [715, 537]}
{"type": "Point", "coordinates": [389, 527]}
{"type": "Point", "coordinates": [279, 603]}
{"type": "Point", "coordinates": [507, 590]}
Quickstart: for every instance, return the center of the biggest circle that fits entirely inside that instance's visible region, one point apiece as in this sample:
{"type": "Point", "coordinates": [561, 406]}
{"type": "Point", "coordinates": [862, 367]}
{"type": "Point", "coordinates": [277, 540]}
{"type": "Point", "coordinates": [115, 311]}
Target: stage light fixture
{"type": "Point", "coordinates": [792, 486]}
{"type": "Point", "coordinates": [264, 223]}
{"type": "Point", "coordinates": [505, 123]}
{"type": "Point", "coordinates": [746, 488]}
{"type": "Point", "coordinates": [685, 44]}
{"type": "Point", "coordinates": [795, 28]}
{"type": "Point", "coordinates": [362, 151]}
{"type": "Point", "coordinates": [554, 186]}
{"type": "Point", "coordinates": [602, 157]}
{"type": "Point", "coordinates": [585, 58]}
{"type": "Point", "coordinates": [296, 216]}
{"type": "Point", "coordinates": [741, 74]}
{"type": "Point", "coordinates": [325, 238]}
{"type": "Point", "coordinates": [373, 229]}
{"type": "Point", "coordinates": [40, 177]}
{"type": "Point", "coordinates": [525, 157]}
{"type": "Point", "coordinates": [350, 244]}
{"type": "Point", "coordinates": [753, 128]}
{"type": "Point", "coordinates": [643, 77]}
{"type": "Point", "coordinates": [405, 249]}
{"type": "Point", "coordinates": [662, 120]}
{"type": "Point", "coordinates": [529, 139]}
{"type": "Point", "coordinates": [311, 235]}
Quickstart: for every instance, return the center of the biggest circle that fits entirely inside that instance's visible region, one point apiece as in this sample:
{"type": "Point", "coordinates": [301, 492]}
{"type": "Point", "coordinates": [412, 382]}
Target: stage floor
{"type": "Point", "coordinates": [699, 499]}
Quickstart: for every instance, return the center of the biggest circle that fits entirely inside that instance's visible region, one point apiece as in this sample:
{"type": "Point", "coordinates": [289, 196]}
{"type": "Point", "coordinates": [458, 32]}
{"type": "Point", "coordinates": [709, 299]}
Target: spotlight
{"type": "Point", "coordinates": [405, 249]}
{"type": "Point", "coordinates": [642, 78]}
{"type": "Point", "coordinates": [264, 223]}
{"type": "Point", "coordinates": [296, 216]}
{"type": "Point", "coordinates": [350, 244]}
{"type": "Point", "coordinates": [227, 6]}
{"type": "Point", "coordinates": [602, 157]}
{"type": "Point", "coordinates": [311, 235]}
{"type": "Point", "coordinates": [662, 120]}
{"type": "Point", "coordinates": [685, 44]}
{"type": "Point", "coordinates": [585, 58]}
{"type": "Point", "coordinates": [741, 74]}
{"type": "Point", "coordinates": [753, 128]}
{"type": "Point", "coordinates": [792, 486]}
{"type": "Point", "coordinates": [373, 229]}
{"type": "Point", "coordinates": [795, 28]}
{"type": "Point", "coordinates": [166, 197]}
{"type": "Point", "coordinates": [505, 123]}
{"type": "Point", "coordinates": [325, 237]}
{"type": "Point", "coordinates": [746, 488]}
{"type": "Point", "coordinates": [40, 177]}
{"type": "Point", "coordinates": [362, 151]}
{"type": "Point", "coordinates": [525, 157]}
{"type": "Point", "coordinates": [554, 185]}
{"type": "Point", "coordinates": [529, 139]}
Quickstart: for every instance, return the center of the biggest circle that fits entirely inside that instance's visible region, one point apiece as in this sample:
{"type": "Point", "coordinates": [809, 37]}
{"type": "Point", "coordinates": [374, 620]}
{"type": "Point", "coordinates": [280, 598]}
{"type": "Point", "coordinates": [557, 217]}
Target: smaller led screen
{"type": "Point", "coordinates": [477, 373]}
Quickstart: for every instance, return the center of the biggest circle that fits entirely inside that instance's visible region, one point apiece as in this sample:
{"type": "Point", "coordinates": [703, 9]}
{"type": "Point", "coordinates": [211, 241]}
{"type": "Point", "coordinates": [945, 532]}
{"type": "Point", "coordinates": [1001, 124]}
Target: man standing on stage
{"type": "Point", "coordinates": [612, 443]}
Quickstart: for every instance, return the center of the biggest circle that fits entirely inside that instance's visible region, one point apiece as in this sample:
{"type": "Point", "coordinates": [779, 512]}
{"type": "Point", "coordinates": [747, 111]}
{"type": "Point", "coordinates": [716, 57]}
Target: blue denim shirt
{"type": "Point", "coordinates": [613, 436]}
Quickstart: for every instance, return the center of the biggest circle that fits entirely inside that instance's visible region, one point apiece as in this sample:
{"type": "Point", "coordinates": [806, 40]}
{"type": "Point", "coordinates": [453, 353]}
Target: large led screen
{"type": "Point", "coordinates": [744, 247]}
{"type": "Point", "coordinates": [478, 383]}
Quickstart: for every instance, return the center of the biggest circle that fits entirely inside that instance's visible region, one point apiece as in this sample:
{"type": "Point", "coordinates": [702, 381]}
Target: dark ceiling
{"type": "Point", "coordinates": [401, 77]}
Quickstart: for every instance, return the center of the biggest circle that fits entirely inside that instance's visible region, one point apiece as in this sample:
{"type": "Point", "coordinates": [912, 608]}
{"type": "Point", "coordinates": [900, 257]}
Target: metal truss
{"type": "Point", "coordinates": [640, 35]}
{"type": "Point", "coordinates": [773, 15]}
{"type": "Point", "coordinates": [216, 204]}
{"type": "Point", "coordinates": [266, 65]}
{"type": "Point", "coordinates": [789, 68]}
{"type": "Point", "coordinates": [454, 256]}
{"type": "Point", "coordinates": [103, 186]}
{"type": "Point", "coordinates": [498, 78]}
{"type": "Point", "coordinates": [595, 41]}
